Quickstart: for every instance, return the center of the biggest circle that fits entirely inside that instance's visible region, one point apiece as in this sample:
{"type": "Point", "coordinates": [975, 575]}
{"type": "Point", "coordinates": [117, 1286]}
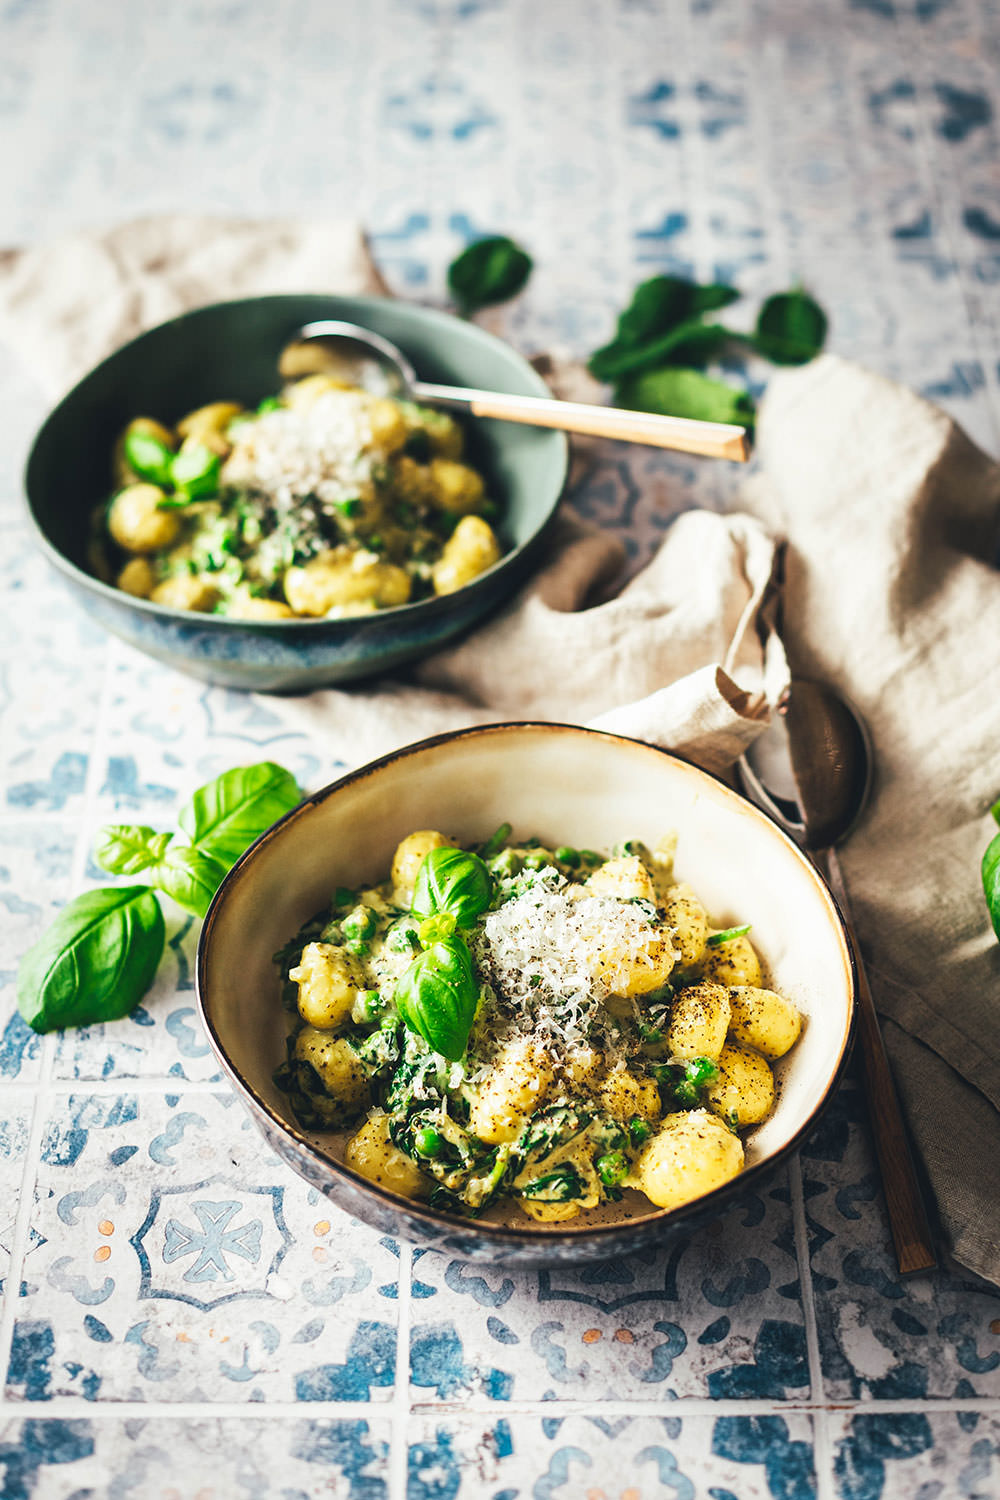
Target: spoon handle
{"type": "Point", "coordinates": [709, 439]}
{"type": "Point", "coordinates": [911, 1232]}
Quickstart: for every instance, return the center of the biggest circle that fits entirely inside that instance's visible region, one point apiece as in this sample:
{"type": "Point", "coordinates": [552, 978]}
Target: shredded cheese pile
{"type": "Point", "coordinates": [324, 450]}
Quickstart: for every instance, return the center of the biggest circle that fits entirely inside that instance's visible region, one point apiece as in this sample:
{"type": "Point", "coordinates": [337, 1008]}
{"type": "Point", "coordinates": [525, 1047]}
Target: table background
{"type": "Point", "coordinates": [182, 1317]}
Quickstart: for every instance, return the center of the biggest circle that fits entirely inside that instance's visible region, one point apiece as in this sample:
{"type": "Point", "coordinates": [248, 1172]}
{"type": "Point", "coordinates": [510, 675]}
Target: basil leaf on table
{"type": "Point", "coordinates": [437, 997]}
{"type": "Point", "coordinates": [452, 880]}
{"type": "Point", "coordinates": [490, 270]}
{"type": "Point", "coordinates": [129, 849]}
{"type": "Point", "coordinates": [95, 962]}
{"type": "Point", "coordinates": [991, 875]}
{"type": "Point", "coordinates": [678, 392]}
{"type": "Point", "coordinates": [223, 818]}
{"type": "Point", "coordinates": [189, 877]}
{"type": "Point", "coordinates": [659, 307]}
{"type": "Point", "coordinates": [691, 342]}
{"type": "Point", "coordinates": [791, 328]}
{"type": "Point", "coordinates": [150, 458]}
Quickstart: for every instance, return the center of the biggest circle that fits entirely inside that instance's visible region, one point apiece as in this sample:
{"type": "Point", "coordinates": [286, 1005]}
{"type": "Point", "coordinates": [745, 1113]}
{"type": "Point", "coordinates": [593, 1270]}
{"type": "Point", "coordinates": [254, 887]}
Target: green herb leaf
{"type": "Point", "coordinates": [149, 457]}
{"type": "Point", "coordinates": [490, 270]}
{"type": "Point", "coordinates": [225, 816]}
{"type": "Point", "coordinates": [690, 343]}
{"type": "Point", "coordinates": [791, 328]}
{"type": "Point", "coordinates": [660, 307]}
{"type": "Point", "coordinates": [95, 962]}
{"type": "Point", "coordinates": [718, 938]}
{"type": "Point", "coordinates": [686, 393]}
{"type": "Point", "coordinates": [991, 876]}
{"type": "Point", "coordinates": [455, 881]}
{"type": "Point", "coordinates": [188, 876]}
{"type": "Point", "coordinates": [437, 997]}
{"type": "Point", "coordinates": [194, 471]}
{"type": "Point", "coordinates": [128, 849]}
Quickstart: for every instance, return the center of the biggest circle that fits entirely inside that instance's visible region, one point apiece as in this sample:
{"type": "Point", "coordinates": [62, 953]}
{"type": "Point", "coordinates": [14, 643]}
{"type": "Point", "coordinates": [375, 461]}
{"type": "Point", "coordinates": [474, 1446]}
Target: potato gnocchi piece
{"type": "Point", "coordinates": [691, 1153]}
{"type": "Point", "coordinates": [137, 522]}
{"type": "Point", "coordinates": [624, 1096]}
{"type": "Point", "coordinates": [626, 879]}
{"type": "Point", "coordinates": [373, 1154]}
{"type": "Point", "coordinates": [328, 981]}
{"type": "Point", "coordinates": [732, 963]}
{"type": "Point", "coordinates": [743, 1091]}
{"type": "Point", "coordinates": [455, 487]}
{"type": "Point", "coordinates": [409, 856]}
{"type": "Point", "coordinates": [469, 551]}
{"type": "Point", "coordinates": [516, 1086]}
{"type": "Point", "coordinates": [137, 578]}
{"type": "Point", "coordinates": [687, 921]}
{"type": "Point", "coordinates": [187, 591]}
{"type": "Point", "coordinates": [633, 975]}
{"type": "Point", "coordinates": [339, 1067]}
{"type": "Point", "coordinates": [345, 579]}
{"type": "Point", "coordinates": [764, 1020]}
{"type": "Point", "coordinates": [699, 1021]}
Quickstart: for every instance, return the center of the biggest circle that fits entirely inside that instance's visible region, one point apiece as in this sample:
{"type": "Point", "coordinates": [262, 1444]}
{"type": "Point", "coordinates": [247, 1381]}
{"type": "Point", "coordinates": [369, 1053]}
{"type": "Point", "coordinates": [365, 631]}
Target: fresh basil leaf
{"type": "Point", "coordinates": [128, 848]}
{"type": "Point", "coordinates": [95, 962]}
{"type": "Point", "coordinates": [690, 343]}
{"type": "Point", "coordinates": [490, 270]}
{"type": "Point", "coordinates": [791, 328]}
{"type": "Point", "coordinates": [452, 880]}
{"type": "Point", "coordinates": [189, 877]}
{"type": "Point", "coordinates": [224, 817]}
{"type": "Point", "coordinates": [686, 393]}
{"type": "Point", "coordinates": [194, 471]}
{"type": "Point", "coordinates": [149, 457]}
{"type": "Point", "coordinates": [716, 939]}
{"type": "Point", "coordinates": [659, 306]}
{"type": "Point", "coordinates": [437, 997]}
{"type": "Point", "coordinates": [991, 877]}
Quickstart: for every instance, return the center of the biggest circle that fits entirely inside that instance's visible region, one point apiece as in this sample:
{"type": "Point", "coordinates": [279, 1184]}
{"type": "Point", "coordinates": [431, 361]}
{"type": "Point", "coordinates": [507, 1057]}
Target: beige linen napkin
{"type": "Point", "coordinates": [889, 512]}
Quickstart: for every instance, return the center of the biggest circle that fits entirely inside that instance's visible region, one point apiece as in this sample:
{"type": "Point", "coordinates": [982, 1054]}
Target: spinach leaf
{"type": "Point", "coordinates": [690, 343]}
{"type": "Point", "coordinates": [490, 270]}
{"type": "Point", "coordinates": [452, 880]}
{"type": "Point", "coordinates": [225, 816]}
{"type": "Point", "coordinates": [149, 457]}
{"type": "Point", "coordinates": [791, 328]}
{"type": "Point", "coordinates": [659, 307]}
{"type": "Point", "coordinates": [991, 875]}
{"type": "Point", "coordinates": [188, 876]}
{"type": "Point", "coordinates": [128, 849]}
{"type": "Point", "coordinates": [686, 393]}
{"type": "Point", "coordinates": [437, 997]}
{"type": "Point", "coordinates": [95, 962]}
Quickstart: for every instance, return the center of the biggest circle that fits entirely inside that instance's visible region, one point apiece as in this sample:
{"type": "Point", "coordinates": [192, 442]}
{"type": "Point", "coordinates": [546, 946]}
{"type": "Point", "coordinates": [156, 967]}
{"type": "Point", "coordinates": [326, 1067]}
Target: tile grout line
{"type": "Point", "coordinates": [822, 1454]}
{"type": "Point", "coordinates": [29, 1174]}
{"type": "Point", "coordinates": [400, 1406]}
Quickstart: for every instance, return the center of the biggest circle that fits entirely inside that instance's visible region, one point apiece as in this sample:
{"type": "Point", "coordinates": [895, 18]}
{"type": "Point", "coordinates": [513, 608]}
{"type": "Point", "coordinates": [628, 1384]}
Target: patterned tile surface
{"type": "Point", "coordinates": [181, 1315]}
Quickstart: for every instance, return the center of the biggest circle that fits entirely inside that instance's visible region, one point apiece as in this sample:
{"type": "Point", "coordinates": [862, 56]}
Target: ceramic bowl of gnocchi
{"type": "Point", "coordinates": [280, 530]}
{"type": "Point", "coordinates": [528, 991]}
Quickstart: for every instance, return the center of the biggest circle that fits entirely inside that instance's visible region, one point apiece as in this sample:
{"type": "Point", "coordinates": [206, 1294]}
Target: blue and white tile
{"type": "Point", "coordinates": [15, 1127]}
{"type": "Point", "coordinates": [715, 1314]}
{"type": "Point", "coordinates": [178, 1260]}
{"type": "Point", "coordinates": [881, 1337]}
{"type": "Point", "coordinates": [916, 1455]}
{"type": "Point", "coordinates": [270, 1459]}
{"type": "Point", "coordinates": [492, 1457]}
{"type": "Point", "coordinates": [35, 867]}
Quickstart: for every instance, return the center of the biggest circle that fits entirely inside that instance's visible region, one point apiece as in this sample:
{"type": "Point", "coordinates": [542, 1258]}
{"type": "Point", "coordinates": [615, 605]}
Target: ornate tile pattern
{"type": "Point", "coordinates": [181, 1314]}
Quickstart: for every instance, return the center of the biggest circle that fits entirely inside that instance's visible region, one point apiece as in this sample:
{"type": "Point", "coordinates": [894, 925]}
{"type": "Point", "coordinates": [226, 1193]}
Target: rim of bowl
{"type": "Point", "coordinates": [436, 604]}
{"type": "Point", "coordinates": [500, 1234]}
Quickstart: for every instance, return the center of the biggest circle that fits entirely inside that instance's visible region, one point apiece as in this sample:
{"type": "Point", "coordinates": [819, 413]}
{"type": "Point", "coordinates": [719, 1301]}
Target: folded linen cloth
{"type": "Point", "coordinates": [890, 514]}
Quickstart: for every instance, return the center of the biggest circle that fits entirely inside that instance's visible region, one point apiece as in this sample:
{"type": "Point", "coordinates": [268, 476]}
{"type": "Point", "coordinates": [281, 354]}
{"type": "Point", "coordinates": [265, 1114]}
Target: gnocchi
{"type": "Point", "coordinates": [532, 1025]}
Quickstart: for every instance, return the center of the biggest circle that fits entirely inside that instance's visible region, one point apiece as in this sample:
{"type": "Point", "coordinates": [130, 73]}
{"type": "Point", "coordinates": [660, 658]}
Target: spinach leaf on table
{"type": "Point", "coordinates": [991, 874]}
{"type": "Point", "coordinates": [791, 328]}
{"type": "Point", "coordinates": [677, 392]}
{"type": "Point", "coordinates": [659, 306]}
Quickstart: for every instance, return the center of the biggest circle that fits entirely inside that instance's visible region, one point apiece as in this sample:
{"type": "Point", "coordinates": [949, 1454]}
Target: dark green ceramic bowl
{"type": "Point", "coordinates": [229, 351]}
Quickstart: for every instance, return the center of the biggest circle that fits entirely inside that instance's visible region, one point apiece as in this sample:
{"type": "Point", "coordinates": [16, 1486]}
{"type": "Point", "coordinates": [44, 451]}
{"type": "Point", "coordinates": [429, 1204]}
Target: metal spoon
{"type": "Point", "coordinates": [361, 357]}
{"type": "Point", "coordinates": [812, 771]}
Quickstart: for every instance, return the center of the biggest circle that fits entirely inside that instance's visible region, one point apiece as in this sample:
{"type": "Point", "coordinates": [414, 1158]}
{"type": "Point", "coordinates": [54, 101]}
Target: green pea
{"type": "Point", "coordinates": [568, 857]}
{"type": "Point", "coordinates": [590, 858]}
{"type": "Point", "coordinates": [370, 1005]}
{"type": "Point", "coordinates": [427, 1141]}
{"type": "Point", "coordinates": [505, 864]}
{"type": "Point", "coordinates": [269, 403]}
{"type": "Point", "coordinates": [351, 507]}
{"type": "Point", "coordinates": [701, 1070]}
{"type": "Point", "coordinates": [612, 1168]}
{"type": "Point", "coordinates": [535, 861]}
{"type": "Point", "coordinates": [639, 1130]}
{"type": "Point", "coordinates": [359, 923]}
{"type": "Point", "coordinates": [358, 947]}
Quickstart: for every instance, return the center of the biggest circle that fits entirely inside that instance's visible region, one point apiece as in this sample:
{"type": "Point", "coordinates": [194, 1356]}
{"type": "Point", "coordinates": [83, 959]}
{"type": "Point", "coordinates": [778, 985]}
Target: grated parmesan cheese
{"type": "Point", "coordinates": [325, 450]}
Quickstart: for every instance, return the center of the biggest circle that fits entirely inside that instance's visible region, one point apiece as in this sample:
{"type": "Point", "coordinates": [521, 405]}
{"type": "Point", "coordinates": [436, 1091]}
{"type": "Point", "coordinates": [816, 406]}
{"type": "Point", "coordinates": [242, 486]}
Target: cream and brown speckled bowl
{"type": "Point", "coordinates": [564, 785]}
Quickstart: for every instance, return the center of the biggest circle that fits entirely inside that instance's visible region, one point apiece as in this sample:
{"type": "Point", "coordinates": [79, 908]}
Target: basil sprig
{"type": "Point", "coordinates": [991, 874]}
{"type": "Point", "coordinates": [188, 475]}
{"type": "Point", "coordinates": [437, 995]}
{"type": "Point", "coordinates": [100, 955]}
{"type": "Point", "coordinates": [489, 270]}
{"type": "Point", "coordinates": [452, 880]}
{"type": "Point", "coordinates": [95, 962]}
{"type": "Point", "coordinates": [662, 344]}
